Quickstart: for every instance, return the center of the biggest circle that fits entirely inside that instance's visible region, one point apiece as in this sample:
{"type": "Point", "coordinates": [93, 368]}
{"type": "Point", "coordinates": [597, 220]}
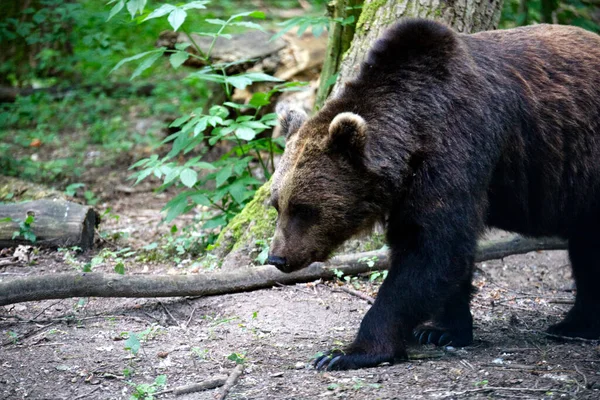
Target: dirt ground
{"type": "Point", "coordinates": [75, 349]}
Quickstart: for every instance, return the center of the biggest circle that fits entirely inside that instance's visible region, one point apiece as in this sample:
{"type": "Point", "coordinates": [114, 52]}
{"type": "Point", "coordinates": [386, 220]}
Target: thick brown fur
{"type": "Point", "coordinates": [460, 132]}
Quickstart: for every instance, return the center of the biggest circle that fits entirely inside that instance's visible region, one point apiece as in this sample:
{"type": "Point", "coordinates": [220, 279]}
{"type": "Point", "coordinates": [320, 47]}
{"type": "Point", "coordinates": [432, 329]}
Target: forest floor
{"type": "Point", "coordinates": [78, 348]}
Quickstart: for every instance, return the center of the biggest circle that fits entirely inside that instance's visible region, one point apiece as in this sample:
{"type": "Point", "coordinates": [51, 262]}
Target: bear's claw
{"type": "Point", "coordinates": [338, 360]}
{"type": "Point", "coordinates": [442, 337]}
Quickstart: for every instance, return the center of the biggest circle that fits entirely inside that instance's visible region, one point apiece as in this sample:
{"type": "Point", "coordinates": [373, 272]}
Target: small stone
{"type": "Point", "coordinates": [300, 365]}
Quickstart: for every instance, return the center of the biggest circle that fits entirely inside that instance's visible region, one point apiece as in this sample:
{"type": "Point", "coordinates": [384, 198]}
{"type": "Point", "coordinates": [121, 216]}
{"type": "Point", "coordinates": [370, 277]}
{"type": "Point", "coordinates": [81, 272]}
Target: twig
{"type": "Point", "coordinates": [358, 294]}
{"type": "Point", "coordinates": [211, 383]}
{"type": "Point", "coordinates": [25, 335]}
{"type": "Point", "coordinates": [50, 306]}
{"type": "Point", "coordinates": [567, 338]}
{"type": "Point", "coordinates": [492, 388]}
{"type": "Point", "coordinates": [583, 375]}
{"type": "Point", "coordinates": [169, 313]}
{"type": "Point", "coordinates": [9, 262]}
{"type": "Point", "coordinates": [87, 394]}
{"type": "Point", "coordinates": [231, 381]}
{"type": "Point", "coordinates": [190, 318]}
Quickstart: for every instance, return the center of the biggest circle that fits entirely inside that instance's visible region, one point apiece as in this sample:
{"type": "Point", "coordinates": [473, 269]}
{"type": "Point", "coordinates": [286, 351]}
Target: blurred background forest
{"type": "Point", "coordinates": [71, 121]}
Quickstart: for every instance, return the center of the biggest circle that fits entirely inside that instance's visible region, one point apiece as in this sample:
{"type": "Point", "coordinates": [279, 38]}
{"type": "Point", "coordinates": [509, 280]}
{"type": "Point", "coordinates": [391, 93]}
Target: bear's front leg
{"type": "Point", "coordinates": [380, 339]}
{"type": "Point", "coordinates": [420, 282]}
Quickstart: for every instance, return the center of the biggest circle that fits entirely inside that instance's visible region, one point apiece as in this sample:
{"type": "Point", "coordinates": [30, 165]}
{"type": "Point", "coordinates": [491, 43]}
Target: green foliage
{"type": "Point", "coordinates": [317, 24]}
{"type": "Point", "coordinates": [567, 12]}
{"type": "Point", "coordinates": [145, 391]}
{"type": "Point", "coordinates": [238, 358]}
{"type": "Point", "coordinates": [25, 231]}
{"type": "Point", "coordinates": [221, 188]}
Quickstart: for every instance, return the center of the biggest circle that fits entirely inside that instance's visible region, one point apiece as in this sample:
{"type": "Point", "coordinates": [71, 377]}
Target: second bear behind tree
{"type": "Point", "coordinates": [441, 135]}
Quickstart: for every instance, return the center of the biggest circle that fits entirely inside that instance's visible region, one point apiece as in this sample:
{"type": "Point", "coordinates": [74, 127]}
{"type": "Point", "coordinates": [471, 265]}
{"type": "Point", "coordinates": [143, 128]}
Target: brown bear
{"type": "Point", "coordinates": [440, 135]}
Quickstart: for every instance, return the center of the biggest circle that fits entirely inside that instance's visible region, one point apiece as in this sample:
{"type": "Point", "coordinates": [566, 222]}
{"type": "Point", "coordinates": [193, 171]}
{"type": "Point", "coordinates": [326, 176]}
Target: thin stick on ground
{"type": "Point", "coordinates": [491, 389]}
{"type": "Point", "coordinates": [211, 383]}
{"type": "Point", "coordinates": [61, 286]}
{"type": "Point", "coordinates": [358, 294]}
{"type": "Point", "coordinates": [231, 381]}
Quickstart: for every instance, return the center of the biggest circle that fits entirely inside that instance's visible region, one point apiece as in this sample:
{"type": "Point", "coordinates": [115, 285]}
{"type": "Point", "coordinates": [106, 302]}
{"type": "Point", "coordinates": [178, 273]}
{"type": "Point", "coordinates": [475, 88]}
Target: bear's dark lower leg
{"type": "Point", "coordinates": [453, 326]}
{"type": "Point", "coordinates": [583, 320]}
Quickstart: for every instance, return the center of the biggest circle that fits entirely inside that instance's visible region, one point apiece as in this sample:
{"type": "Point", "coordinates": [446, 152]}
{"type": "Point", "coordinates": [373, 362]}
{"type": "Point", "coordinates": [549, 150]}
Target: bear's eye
{"type": "Point", "coordinates": [304, 211]}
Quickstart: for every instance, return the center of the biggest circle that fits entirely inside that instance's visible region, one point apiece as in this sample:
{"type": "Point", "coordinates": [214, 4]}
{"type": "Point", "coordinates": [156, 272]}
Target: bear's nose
{"type": "Point", "coordinates": [279, 262]}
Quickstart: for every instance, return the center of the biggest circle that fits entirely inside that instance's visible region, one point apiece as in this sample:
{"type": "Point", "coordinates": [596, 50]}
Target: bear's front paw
{"type": "Point", "coordinates": [443, 337]}
{"type": "Point", "coordinates": [337, 360]}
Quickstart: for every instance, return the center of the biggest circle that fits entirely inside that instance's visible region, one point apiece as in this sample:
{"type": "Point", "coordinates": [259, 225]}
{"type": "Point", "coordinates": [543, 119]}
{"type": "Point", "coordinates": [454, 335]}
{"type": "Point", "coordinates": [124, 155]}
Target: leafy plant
{"type": "Point", "coordinates": [238, 358]}
{"type": "Point", "coordinates": [317, 24]}
{"type": "Point", "coordinates": [145, 391]}
{"type": "Point", "coordinates": [25, 229]}
{"type": "Point", "coordinates": [221, 188]}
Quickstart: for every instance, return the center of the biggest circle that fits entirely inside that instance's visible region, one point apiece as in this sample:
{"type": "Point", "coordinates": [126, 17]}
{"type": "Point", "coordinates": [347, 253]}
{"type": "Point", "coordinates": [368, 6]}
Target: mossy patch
{"type": "Point", "coordinates": [368, 13]}
{"type": "Point", "coordinates": [255, 222]}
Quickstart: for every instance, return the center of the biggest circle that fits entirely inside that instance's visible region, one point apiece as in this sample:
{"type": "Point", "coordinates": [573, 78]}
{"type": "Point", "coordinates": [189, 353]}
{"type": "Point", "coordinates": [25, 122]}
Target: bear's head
{"type": "Point", "coordinates": [322, 189]}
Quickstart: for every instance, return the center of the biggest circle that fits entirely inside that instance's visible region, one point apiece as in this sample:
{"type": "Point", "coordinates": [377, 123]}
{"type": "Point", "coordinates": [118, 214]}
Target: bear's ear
{"type": "Point", "coordinates": [290, 119]}
{"type": "Point", "coordinates": [347, 134]}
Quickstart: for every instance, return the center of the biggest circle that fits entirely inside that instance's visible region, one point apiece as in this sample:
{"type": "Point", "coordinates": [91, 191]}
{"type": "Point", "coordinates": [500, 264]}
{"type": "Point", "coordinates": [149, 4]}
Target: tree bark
{"type": "Point", "coordinates": [340, 39]}
{"type": "Point", "coordinates": [462, 15]}
{"type": "Point", "coordinates": [61, 286]}
{"type": "Point", "coordinates": [57, 223]}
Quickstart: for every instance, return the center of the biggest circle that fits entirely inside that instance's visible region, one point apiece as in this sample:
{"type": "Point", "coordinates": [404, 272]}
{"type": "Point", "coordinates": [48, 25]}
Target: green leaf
{"type": "Point", "coordinates": [176, 207]}
{"type": "Point", "coordinates": [223, 175]}
{"type": "Point", "coordinates": [215, 222]}
{"type": "Point", "coordinates": [115, 10]}
{"type": "Point", "coordinates": [218, 111]}
{"type": "Point", "coordinates": [216, 21]}
{"type": "Point", "coordinates": [72, 189]}
{"type": "Point", "coordinates": [120, 268]}
{"type": "Point", "coordinates": [253, 14]}
{"type": "Point", "coordinates": [198, 5]}
{"type": "Point", "coordinates": [200, 126]}
{"type": "Point", "coordinates": [238, 81]}
{"type": "Point", "coordinates": [182, 46]}
{"type": "Point", "coordinates": [188, 177]}
{"type": "Point", "coordinates": [133, 343]}
{"type": "Point", "coordinates": [176, 18]}
{"type": "Point", "coordinates": [250, 25]}
{"type": "Point", "coordinates": [180, 121]}
{"type": "Point", "coordinates": [160, 11]}
{"type": "Point", "coordinates": [6, 219]}
{"type": "Point", "coordinates": [245, 133]}
{"type": "Point", "coordinates": [160, 380]}
{"type": "Point", "coordinates": [260, 99]}
{"type": "Point", "coordinates": [201, 199]}
{"type": "Point", "coordinates": [238, 191]}
{"type": "Point", "coordinates": [147, 63]}
{"type": "Point", "coordinates": [135, 6]}
{"type": "Point", "coordinates": [178, 58]}
{"type": "Point", "coordinates": [204, 165]}
{"type": "Point", "coordinates": [261, 77]}
{"type": "Point", "coordinates": [132, 58]}
{"type": "Point", "coordinates": [318, 30]}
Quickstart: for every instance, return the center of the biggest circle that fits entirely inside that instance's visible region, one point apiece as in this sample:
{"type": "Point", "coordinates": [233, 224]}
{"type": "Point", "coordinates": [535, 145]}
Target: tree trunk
{"type": "Point", "coordinates": [464, 16]}
{"type": "Point", "coordinates": [340, 39]}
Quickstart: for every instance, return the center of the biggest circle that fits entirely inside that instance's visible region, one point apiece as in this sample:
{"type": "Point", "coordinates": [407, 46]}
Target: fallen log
{"type": "Point", "coordinates": [56, 223]}
{"type": "Point", "coordinates": [62, 286]}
